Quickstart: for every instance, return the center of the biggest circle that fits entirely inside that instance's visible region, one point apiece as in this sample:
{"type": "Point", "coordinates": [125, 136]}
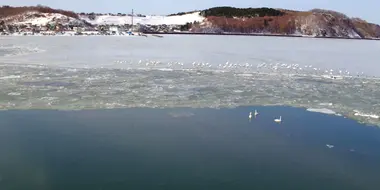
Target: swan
{"type": "Point", "coordinates": [250, 115]}
{"type": "Point", "coordinates": [256, 113]}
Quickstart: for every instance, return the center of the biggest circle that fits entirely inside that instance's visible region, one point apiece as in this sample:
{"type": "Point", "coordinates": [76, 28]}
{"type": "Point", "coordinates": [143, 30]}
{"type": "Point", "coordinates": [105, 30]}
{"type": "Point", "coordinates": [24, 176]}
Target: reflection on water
{"type": "Point", "coordinates": [182, 148]}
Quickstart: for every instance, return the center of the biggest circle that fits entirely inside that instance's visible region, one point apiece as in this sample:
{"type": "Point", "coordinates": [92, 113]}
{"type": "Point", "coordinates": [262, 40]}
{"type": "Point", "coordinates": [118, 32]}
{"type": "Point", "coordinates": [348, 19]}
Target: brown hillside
{"type": "Point", "coordinates": [284, 24]}
{"type": "Point", "coordinates": [366, 29]}
{"type": "Point", "coordinates": [317, 22]}
{"type": "Point", "coordinates": [8, 11]}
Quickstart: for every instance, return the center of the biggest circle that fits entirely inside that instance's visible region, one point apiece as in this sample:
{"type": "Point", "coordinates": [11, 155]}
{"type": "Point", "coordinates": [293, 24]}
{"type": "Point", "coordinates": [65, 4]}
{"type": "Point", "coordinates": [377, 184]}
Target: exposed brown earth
{"type": "Point", "coordinates": [7, 11]}
{"type": "Point", "coordinates": [319, 23]}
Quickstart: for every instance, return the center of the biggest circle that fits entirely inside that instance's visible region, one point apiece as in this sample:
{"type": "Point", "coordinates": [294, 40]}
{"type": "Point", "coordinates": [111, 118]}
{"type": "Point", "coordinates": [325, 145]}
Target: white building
{"type": "Point", "coordinates": [78, 29]}
{"type": "Point", "coordinates": [114, 30]}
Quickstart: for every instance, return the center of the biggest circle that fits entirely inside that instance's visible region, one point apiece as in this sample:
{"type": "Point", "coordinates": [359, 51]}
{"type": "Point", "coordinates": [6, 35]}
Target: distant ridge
{"type": "Point", "coordinates": [314, 23]}
{"type": "Point", "coordinates": [7, 11]}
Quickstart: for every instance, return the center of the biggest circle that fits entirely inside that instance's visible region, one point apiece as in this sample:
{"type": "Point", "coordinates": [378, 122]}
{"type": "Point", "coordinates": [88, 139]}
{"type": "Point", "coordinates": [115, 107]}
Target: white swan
{"type": "Point", "coordinates": [250, 115]}
{"type": "Point", "coordinates": [256, 113]}
{"type": "Point", "coordinates": [278, 120]}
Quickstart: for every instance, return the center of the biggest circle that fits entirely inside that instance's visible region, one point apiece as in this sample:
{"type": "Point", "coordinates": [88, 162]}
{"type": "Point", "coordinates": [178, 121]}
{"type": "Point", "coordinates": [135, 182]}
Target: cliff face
{"type": "Point", "coordinates": [327, 24]}
{"type": "Point", "coordinates": [317, 23]}
{"type": "Point", "coordinates": [365, 29]}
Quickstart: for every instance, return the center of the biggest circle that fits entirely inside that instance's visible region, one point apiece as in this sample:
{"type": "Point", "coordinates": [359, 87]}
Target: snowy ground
{"type": "Point", "coordinates": [45, 18]}
{"type": "Point", "coordinates": [152, 20]}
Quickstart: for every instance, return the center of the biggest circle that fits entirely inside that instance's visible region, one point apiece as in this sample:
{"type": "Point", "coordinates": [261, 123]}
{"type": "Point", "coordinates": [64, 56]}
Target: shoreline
{"type": "Point", "coordinates": [255, 34]}
{"type": "Point", "coordinates": [157, 34]}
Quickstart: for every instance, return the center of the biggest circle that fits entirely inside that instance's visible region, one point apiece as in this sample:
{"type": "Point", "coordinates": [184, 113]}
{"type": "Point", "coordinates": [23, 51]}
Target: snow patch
{"type": "Point", "coordinates": [14, 94]}
{"type": "Point", "coordinates": [151, 20]}
{"type": "Point", "coordinates": [361, 114]}
{"type": "Point", "coordinates": [10, 77]}
{"type": "Point", "coordinates": [326, 104]}
{"type": "Point", "coordinates": [41, 19]}
{"type": "Point", "coordinates": [322, 110]}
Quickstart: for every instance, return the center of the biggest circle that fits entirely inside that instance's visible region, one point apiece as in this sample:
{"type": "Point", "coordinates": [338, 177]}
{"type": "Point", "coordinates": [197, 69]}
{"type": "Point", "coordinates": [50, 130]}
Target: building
{"type": "Point", "coordinates": [114, 30]}
{"type": "Point", "coordinates": [78, 30]}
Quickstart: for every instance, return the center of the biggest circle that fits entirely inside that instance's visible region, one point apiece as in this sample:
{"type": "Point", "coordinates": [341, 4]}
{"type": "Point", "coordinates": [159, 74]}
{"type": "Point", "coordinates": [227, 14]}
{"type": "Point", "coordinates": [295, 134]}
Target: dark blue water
{"type": "Point", "coordinates": [186, 149]}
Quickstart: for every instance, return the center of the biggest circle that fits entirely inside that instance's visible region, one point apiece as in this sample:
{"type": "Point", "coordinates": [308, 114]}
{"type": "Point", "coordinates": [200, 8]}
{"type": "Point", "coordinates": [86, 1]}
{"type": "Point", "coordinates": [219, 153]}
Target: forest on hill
{"type": "Point", "coordinates": [230, 12]}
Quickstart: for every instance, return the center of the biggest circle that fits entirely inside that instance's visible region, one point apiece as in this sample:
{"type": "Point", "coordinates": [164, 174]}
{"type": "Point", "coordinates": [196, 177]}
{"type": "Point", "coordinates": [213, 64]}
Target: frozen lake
{"type": "Point", "coordinates": [89, 72]}
{"type": "Point", "coordinates": [103, 51]}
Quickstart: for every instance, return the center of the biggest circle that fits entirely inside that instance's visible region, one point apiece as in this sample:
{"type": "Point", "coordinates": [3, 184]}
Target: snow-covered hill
{"type": "Point", "coordinates": [151, 20]}
{"type": "Point", "coordinates": [42, 19]}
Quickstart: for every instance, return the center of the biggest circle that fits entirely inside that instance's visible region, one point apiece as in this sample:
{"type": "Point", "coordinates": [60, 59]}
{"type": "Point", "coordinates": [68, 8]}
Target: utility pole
{"type": "Point", "coordinates": [132, 17]}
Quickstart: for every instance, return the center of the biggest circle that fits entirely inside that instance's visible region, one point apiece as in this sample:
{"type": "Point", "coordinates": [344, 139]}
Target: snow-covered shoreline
{"type": "Point", "coordinates": [322, 110]}
{"type": "Point", "coordinates": [96, 33]}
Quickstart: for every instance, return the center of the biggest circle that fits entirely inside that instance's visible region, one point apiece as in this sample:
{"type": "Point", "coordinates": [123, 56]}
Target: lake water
{"type": "Point", "coordinates": [183, 148]}
{"type": "Point", "coordinates": [172, 113]}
